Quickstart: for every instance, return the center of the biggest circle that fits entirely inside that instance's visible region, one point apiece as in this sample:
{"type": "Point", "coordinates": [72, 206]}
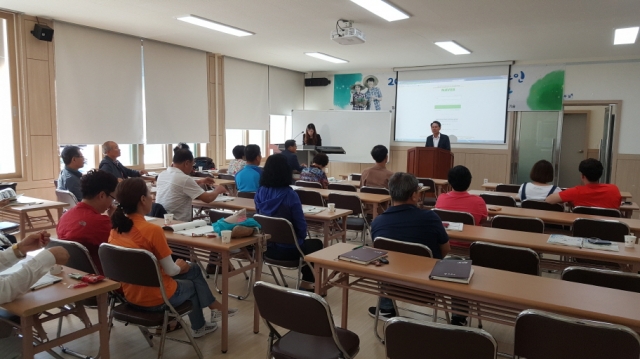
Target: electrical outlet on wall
{"type": "Point", "coordinates": [486, 180]}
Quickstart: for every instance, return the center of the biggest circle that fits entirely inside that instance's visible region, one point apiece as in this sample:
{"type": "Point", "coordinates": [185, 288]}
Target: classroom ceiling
{"type": "Point", "coordinates": [494, 30]}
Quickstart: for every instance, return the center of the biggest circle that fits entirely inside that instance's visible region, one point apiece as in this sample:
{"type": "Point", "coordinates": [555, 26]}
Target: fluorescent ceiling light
{"type": "Point", "coordinates": [325, 57]}
{"type": "Point", "coordinates": [209, 24]}
{"type": "Point", "coordinates": [626, 36]}
{"type": "Point", "coordinates": [382, 9]}
{"type": "Point", "coordinates": [453, 47]}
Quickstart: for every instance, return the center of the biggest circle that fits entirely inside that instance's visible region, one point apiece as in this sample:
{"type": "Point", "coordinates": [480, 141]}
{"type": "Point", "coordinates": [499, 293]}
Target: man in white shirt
{"type": "Point", "coordinates": [176, 189]}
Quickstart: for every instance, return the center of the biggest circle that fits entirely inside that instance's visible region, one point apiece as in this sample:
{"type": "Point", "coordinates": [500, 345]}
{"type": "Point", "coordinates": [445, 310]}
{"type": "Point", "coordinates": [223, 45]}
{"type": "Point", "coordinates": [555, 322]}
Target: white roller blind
{"type": "Point", "coordinates": [246, 93]}
{"type": "Point", "coordinates": [176, 100]}
{"type": "Point", "coordinates": [98, 86]}
{"type": "Point", "coordinates": [286, 91]}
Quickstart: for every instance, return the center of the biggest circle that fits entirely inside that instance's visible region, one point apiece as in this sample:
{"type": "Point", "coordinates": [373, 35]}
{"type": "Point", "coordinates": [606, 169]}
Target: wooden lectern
{"type": "Point", "coordinates": [429, 162]}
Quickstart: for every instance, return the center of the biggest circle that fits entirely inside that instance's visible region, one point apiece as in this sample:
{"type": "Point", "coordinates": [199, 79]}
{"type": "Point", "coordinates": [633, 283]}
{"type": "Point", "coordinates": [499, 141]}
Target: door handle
{"type": "Point", "coordinates": [581, 151]}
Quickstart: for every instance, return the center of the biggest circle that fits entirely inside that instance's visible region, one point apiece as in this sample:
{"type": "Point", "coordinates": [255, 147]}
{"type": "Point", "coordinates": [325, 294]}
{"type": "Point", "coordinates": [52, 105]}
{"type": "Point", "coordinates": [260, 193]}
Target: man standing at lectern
{"type": "Point", "coordinates": [438, 139]}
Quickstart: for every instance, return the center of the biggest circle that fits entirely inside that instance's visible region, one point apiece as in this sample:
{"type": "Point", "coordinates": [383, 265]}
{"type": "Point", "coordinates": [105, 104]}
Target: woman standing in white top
{"type": "Point", "coordinates": [539, 188]}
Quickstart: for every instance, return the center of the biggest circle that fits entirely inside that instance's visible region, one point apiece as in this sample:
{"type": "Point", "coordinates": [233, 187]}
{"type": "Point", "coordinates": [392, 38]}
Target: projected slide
{"type": "Point", "coordinates": [472, 109]}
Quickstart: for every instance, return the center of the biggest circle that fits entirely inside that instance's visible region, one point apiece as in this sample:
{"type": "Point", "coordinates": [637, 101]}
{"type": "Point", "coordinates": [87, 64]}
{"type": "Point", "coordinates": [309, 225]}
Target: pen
{"type": "Point", "coordinates": [358, 247]}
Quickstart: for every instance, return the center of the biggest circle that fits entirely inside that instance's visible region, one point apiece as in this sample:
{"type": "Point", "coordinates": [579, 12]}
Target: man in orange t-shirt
{"type": "Point", "coordinates": [590, 193]}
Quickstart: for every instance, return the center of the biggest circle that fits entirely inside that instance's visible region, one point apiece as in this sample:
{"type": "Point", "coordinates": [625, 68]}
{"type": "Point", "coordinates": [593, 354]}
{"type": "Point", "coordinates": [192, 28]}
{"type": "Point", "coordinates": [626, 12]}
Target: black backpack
{"type": "Point", "coordinates": [205, 162]}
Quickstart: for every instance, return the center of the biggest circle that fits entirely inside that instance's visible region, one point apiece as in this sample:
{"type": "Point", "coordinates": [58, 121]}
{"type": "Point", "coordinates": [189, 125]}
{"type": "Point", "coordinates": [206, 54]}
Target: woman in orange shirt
{"type": "Point", "coordinates": [182, 280]}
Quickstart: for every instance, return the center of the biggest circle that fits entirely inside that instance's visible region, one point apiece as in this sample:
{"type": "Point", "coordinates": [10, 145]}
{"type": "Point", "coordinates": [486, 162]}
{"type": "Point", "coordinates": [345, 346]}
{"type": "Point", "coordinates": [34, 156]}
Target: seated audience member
{"type": "Point", "coordinates": [248, 179]}
{"type": "Point", "coordinates": [315, 173]}
{"type": "Point", "coordinates": [459, 199]}
{"type": "Point", "coordinates": [590, 193]}
{"type": "Point", "coordinates": [404, 221]}
{"type": "Point", "coordinates": [69, 179]}
{"type": "Point", "coordinates": [238, 162]}
{"type": "Point", "coordinates": [176, 189]}
{"type": "Point", "coordinates": [276, 198]}
{"type": "Point", "coordinates": [378, 175]}
{"type": "Point", "coordinates": [85, 223]}
{"type": "Point", "coordinates": [539, 188]}
{"type": "Point", "coordinates": [110, 162]}
{"type": "Point", "coordinates": [290, 149]}
{"type": "Point", "coordinates": [182, 281]}
{"type": "Point", "coordinates": [19, 282]}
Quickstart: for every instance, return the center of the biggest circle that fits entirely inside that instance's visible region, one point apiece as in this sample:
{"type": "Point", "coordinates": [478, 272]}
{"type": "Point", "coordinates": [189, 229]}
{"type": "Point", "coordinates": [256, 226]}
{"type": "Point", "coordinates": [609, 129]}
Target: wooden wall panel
{"type": "Point", "coordinates": [491, 167]}
{"type": "Point", "coordinates": [335, 169]}
{"type": "Point", "coordinates": [628, 176]}
{"type": "Point", "coordinates": [39, 97]}
{"type": "Point", "coordinates": [593, 153]}
{"type": "Point", "coordinates": [36, 49]}
{"type": "Point", "coordinates": [42, 158]}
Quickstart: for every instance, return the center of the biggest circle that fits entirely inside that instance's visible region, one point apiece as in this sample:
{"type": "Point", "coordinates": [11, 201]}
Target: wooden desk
{"type": "Point", "coordinates": [368, 198]}
{"type": "Point", "coordinates": [30, 305]}
{"type": "Point", "coordinates": [200, 248]}
{"type": "Point", "coordinates": [25, 215]}
{"type": "Point", "coordinates": [629, 258]}
{"type": "Point", "coordinates": [325, 217]}
{"type": "Point", "coordinates": [491, 186]}
{"type": "Point", "coordinates": [495, 295]}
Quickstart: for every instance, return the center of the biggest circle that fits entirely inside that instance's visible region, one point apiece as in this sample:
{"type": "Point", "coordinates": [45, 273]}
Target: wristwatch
{"type": "Point", "coordinates": [17, 252]}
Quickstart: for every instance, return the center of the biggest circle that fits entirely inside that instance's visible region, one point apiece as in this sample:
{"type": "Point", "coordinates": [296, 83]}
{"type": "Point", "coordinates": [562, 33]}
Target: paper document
{"type": "Point", "coordinates": [565, 240]}
{"type": "Point", "coordinates": [189, 228]}
{"type": "Point", "coordinates": [224, 199]}
{"type": "Point", "coordinates": [47, 279]}
{"type": "Point", "coordinates": [453, 226]}
{"type": "Point", "coordinates": [312, 209]}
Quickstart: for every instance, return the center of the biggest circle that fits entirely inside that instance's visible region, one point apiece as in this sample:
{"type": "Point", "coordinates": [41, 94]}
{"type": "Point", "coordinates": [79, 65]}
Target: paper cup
{"type": "Point", "coordinates": [349, 178]}
{"type": "Point", "coordinates": [56, 269]}
{"type": "Point", "coordinates": [226, 237]}
{"type": "Point", "coordinates": [168, 218]}
{"type": "Point", "coordinates": [629, 241]}
{"type": "Point", "coordinates": [199, 168]}
{"type": "Point", "coordinates": [332, 207]}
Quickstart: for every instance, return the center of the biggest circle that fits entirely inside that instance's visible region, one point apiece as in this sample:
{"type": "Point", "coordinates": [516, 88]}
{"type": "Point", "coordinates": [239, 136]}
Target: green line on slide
{"type": "Point", "coordinates": [447, 107]}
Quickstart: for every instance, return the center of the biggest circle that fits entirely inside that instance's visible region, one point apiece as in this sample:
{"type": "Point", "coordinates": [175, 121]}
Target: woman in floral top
{"type": "Point", "coordinates": [358, 99]}
{"type": "Point", "coordinates": [238, 163]}
{"type": "Point", "coordinates": [315, 172]}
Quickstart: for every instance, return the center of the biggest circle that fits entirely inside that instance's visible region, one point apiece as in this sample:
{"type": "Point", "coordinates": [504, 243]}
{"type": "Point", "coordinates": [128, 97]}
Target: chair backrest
{"type": "Point", "coordinates": [543, 335]}
{"type": "Point", "coordinates": [603, 278]}
{"type": "Point", "coordinates": [130, 265]}
{"type": "Point", "coordinates": [308, 184]}
{"type": "Point", "coordinates": [498, 200]}
{"type": "Point", "coordinates": [250, 195]}
{"type": "Point", "coordinates": [375, 190]}
{"type": "Point", "coordinates": [511, 188]}
{"type": "Point", "coordinates": [280, 229]}
{"type": "Point", "coordinates": [542, 205]}
{"type": "Point", "coordinates": [407, 338]}
{"type": "Point", "coordinates": [597, 211]}
{"type": "Point", "coordinates": [157, 210]}
{"type": "Point", "coordinates": [227, 176]}
{"type": "Point", "coordinates": [429, 183]}
{"type": "Point", "coordinates": [416, 249]}
{"type": "Point", "coordinates": [79, 257]}
{"type": "Point", "coordinates": [215, 215]}
{"type": "Point", "coordinates": [55, 183]}
{"type": "Point", "coordinates": [310, 198]}
{"type": "Point", "coordinates": [455, 216]}
{"type": "Point", "coordinates": [524, 224]}
{"type": "Point", "coordinates": [512, 259]}
{"type": "Point", "coordinates": [346, 201]}
{"type": "Point", "coordinates": [342, 187]}
{"type": "Point", "coordinates": [607, 229]}
{"type": "Point", "coordinates": [14, 185]}
{"type": "Point", "coordinates": [65, 196]}
{"type": "Point", "coordinates": [356, 176]}
{"type": "Point", "coordinates": [304, 312]}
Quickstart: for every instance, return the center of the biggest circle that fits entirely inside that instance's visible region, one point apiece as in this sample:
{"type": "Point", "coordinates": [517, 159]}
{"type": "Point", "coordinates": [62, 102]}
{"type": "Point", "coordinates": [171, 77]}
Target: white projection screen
{"type": "Point", "coordinates": [470, 103]}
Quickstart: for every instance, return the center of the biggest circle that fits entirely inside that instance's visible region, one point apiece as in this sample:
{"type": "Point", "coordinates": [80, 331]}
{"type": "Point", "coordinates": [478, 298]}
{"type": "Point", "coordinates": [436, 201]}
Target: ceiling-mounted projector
{"type": "Point", "coordinates": [347, 34]}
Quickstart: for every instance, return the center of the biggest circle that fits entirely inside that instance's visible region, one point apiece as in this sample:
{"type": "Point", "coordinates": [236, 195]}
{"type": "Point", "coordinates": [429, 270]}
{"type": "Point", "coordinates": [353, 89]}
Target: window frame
{"type": "Point", "coordinates": [264, 148]}
{"type": "Point", "coordinates": [14, 64]}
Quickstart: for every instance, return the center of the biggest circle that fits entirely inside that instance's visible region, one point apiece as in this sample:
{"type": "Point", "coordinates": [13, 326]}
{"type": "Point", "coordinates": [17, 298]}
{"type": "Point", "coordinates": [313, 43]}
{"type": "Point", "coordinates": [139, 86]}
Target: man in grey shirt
{"type": "Point", "coordinates": [69, 179]}
{"type": "Point", "coordinates": [110, 163]}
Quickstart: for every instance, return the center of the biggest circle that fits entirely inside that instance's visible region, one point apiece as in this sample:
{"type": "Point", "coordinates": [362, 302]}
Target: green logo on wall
{"type": "Point", "coordinates": [546, 93]}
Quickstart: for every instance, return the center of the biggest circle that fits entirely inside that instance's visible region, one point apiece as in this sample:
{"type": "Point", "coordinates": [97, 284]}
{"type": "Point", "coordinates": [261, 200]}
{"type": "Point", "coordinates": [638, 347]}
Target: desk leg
{"type": "Point", "coordinates": [225, 301]}
{"type": "Point", "coordinates": [23, 225]}
{"type": "Point", "coordinates": [375, 210]}
{"type": "Point", "coordinates": [59, 214]}
{"type": "Point", "coordinates": [326, 225]}
{"type": "Point", "coordinates": [103, 320]}
{"type": "Point", "coordinates": [345, 302]}
{"type": "Point", "coordinates": [257, 253]}
{"type": "Point", "coordinates": [317, 273]}
{"type": "Point", "coordinates": [344, 229]}
{"type": "Point", "coordinates": [28, 350]}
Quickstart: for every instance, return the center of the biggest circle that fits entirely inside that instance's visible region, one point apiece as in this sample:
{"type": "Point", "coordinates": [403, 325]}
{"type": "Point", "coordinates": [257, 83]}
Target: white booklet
{"type": "Point", "coordinates": [312, 209]}
{"type": "Point", "coordinates": [46, 281]}
{"type": "Point", "coordinates": [563, 240]}
{"type": "Point", "coordinates": [453, 226]}
{"type": "Point", "coordinates": [224, 199]}
{"type": "Point", "coordinates": [190, 228]}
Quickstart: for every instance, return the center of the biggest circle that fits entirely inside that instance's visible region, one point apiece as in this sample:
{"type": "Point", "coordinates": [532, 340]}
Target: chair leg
{"type": "Point", "coordinates": [299, 279]}
{"type": "Point", "coordinates": [376, 319]}
{"type": "Point", "coordinates": [147, 336]}
{"type": "Point", "coordinates": [163, 335]}
{"type": "Point", "coordinates": [273, 274]}
{"type": "Point", "coordinates": [187, 331]}
{"type": "Point", "coordinates": [284, 281]}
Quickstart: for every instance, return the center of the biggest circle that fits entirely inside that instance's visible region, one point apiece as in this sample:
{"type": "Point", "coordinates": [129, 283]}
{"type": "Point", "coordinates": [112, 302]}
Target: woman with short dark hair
{"type": "Point", "coordinates": [315, 172]}
{"type": "Point", "coordinates": [539, 188]}
{"type": "Point", "coordinates": [238, 162]}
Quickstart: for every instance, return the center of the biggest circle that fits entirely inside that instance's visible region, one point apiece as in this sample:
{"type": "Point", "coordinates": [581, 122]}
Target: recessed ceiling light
{"type": "Point", "coordinates": [626, 36]}
{"type": "Point", "coordinates": [209, 24]}
{"type": "Point", "coordinates": [453, 47]}
{"type": "Point", "coordinates": [382, 9]}
{"type": "Point", "coordinates": [325, 57]}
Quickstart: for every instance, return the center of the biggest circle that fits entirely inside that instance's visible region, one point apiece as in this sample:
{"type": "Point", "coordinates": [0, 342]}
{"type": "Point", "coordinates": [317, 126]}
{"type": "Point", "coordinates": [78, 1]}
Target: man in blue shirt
{"type": "Point", "coordinates": [289, 152]}
{"type": "Point", "coordinates": [248, 178]}
{"type": "Point", "coordinates": [404, 221]}
{"type": "Point", "coordinates": [69, 179]}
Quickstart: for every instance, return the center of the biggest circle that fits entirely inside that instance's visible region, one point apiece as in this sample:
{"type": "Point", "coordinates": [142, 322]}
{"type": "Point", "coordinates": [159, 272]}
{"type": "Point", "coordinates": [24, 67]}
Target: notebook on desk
{"type": "Point", "coordinates": [452, 271]}
{"type": "Point", "coordinates": [362, 255]}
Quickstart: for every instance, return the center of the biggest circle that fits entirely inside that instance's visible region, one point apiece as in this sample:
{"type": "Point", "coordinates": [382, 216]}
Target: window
{"type": "Point", "coordinates": [279, 130]}
{"type": "Point", "coordinates": [243, 137]}
{"type": "Point", "coordinates": [154, 156]}
{"type": "Point", "coordinates": [128, 155]}
{"type": "Point", "coordinates": [9, 133]}
{"type": "Point", "coordinates": [256, 137]}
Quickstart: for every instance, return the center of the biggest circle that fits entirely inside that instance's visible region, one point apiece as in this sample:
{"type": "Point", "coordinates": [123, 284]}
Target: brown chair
{"type": "Point", "coordinates": [140, 267]}
{"type": "Point", "coordinates": [629, 282]}
{"type": "Point", "coordinates": [356, 221]}
{"type": "Point", "coordinates": [312, 332]}
{"type": "Point", "coordinates": [533, 225]}
{"type": "Point", "coordinates": [597, 211]}
{"type": "Point", "coordinates": [374, 190]}
{"type": "Point", "coordinates": [542, 205]}
{"type": "Point", "coordinates": [508, 258]}
{"type": "Point", "coordinates": [429, 201]}
{"type": "Point", "coordinates": [67, 197]}
{"type": "Point", "coordinates": [308, 184]}
{"type": "Point", "coordinates": [250, 195]}
{"type": "Point", "coordinates": [342, 187]}
{"type": "Point", "coordinates": [511, 188]}
{"type": "Point", "coordinates": [455, 216]}
{"type": "Point", "coordinates": [407, 338]}
{"type": "Point", "coordinates": [310, 198]}
{"type": "Point", "coordinates": [282, 232]}
{"type": "Point", "coordinates": [498, 200]}
{"type": "Point", "coordinates": [607, 229]}
{"type": "Point", "coordinates": [356, 176]}
{"type": "Point", "coordinates": [543, 335]}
